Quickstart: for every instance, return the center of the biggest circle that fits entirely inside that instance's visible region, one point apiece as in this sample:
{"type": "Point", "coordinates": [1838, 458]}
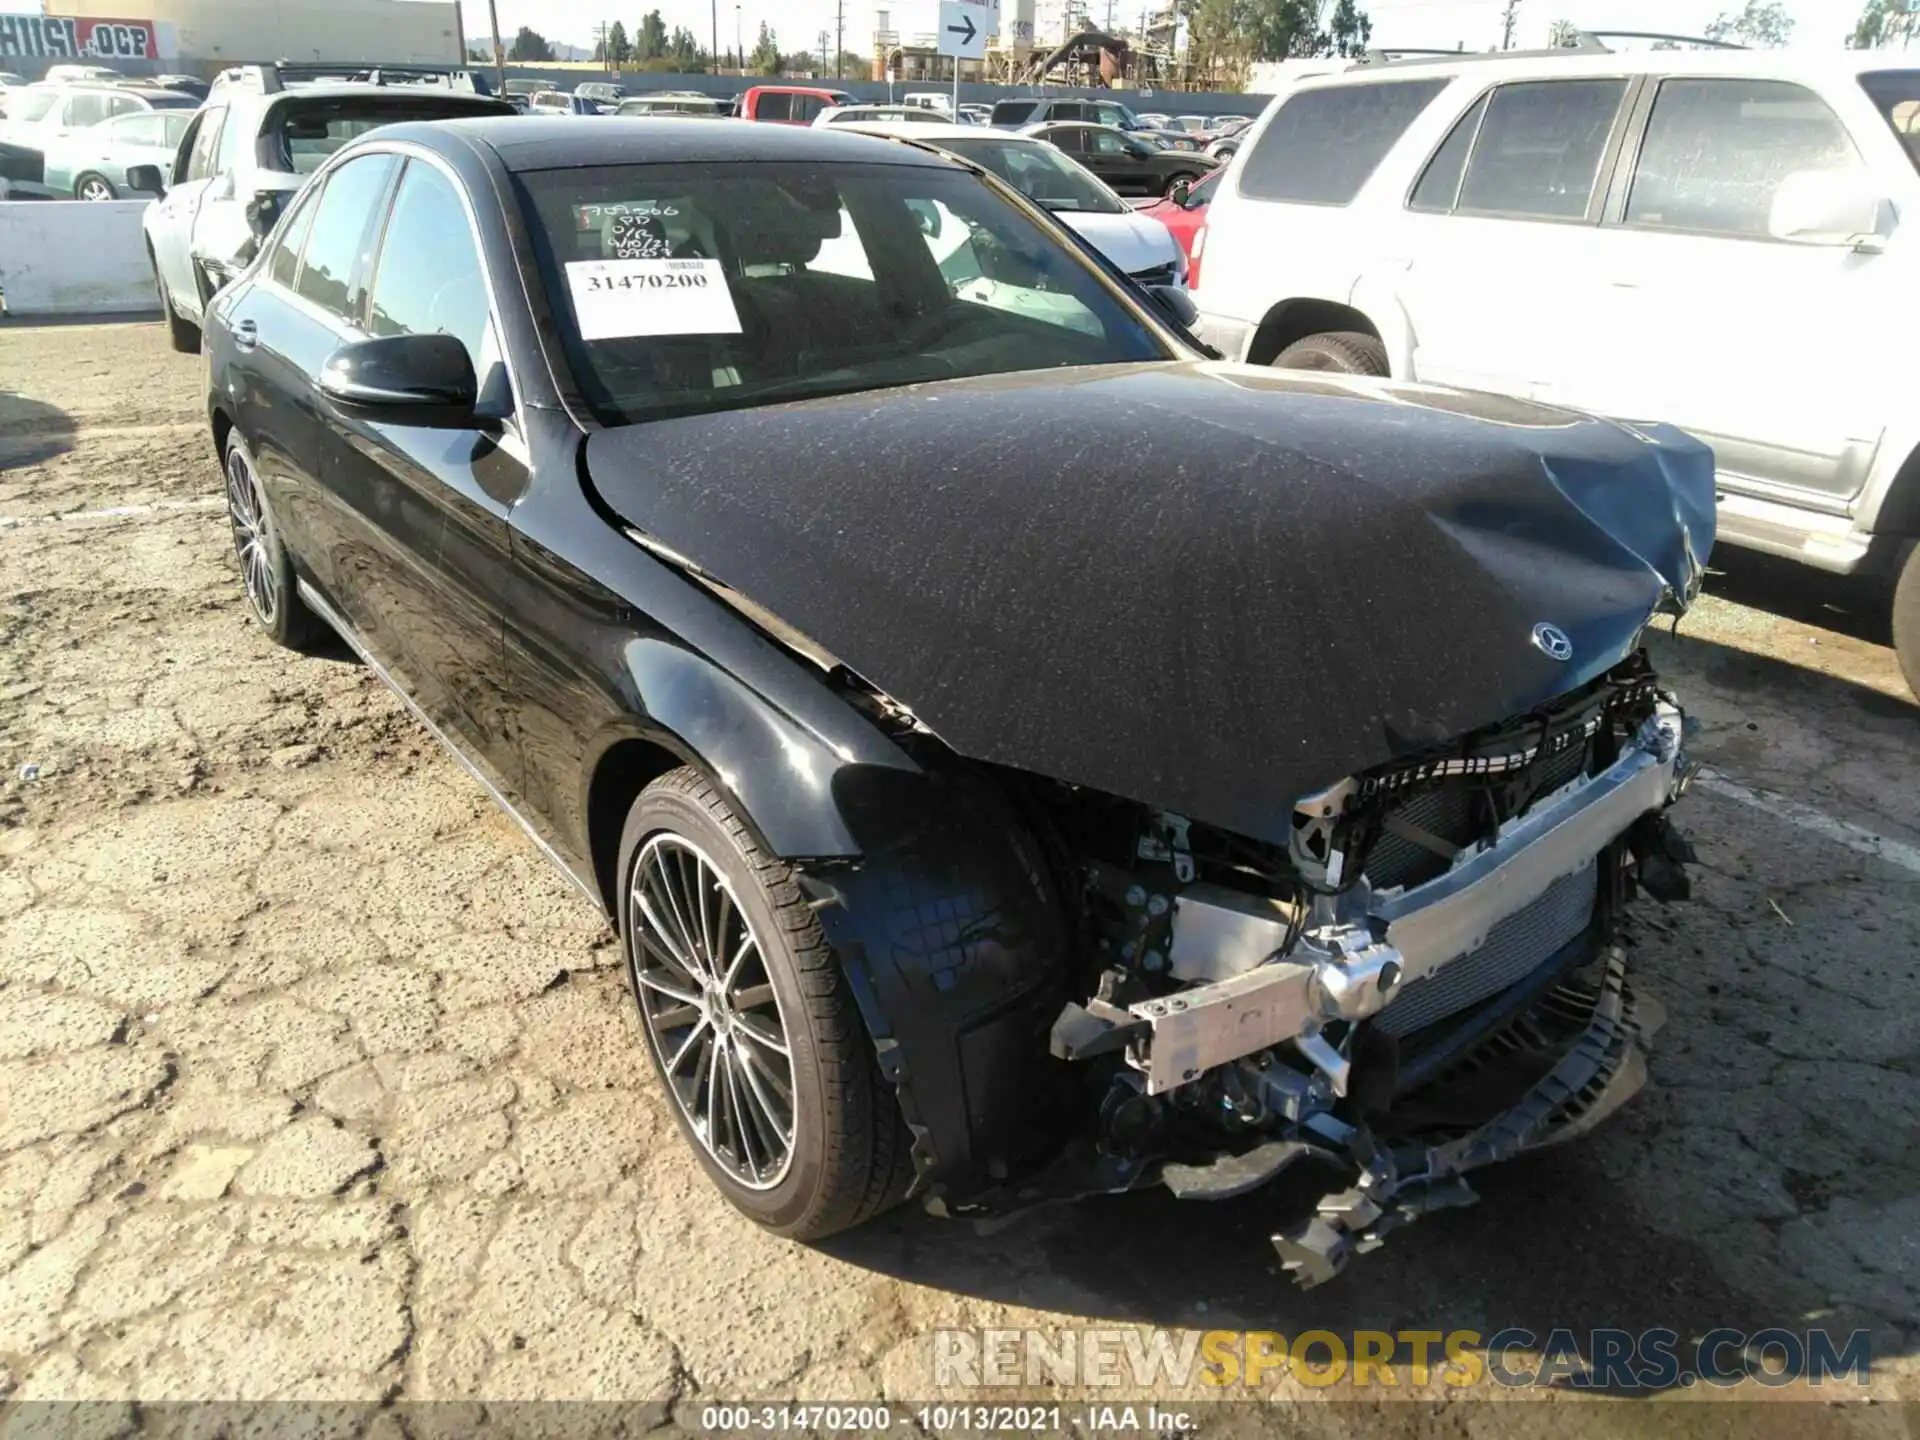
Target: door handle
{"type": "Point", "coordinates": [246, 335]}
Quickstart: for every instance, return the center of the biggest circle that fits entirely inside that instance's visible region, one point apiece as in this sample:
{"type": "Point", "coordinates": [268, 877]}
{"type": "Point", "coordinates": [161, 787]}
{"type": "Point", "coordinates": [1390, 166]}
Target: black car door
{"type": "Point", "coordinates": [1116, 160]}
{"type": "Point", "coordinates": [426, 506]}
{"type": "Point", "coordinates": [285, 320]}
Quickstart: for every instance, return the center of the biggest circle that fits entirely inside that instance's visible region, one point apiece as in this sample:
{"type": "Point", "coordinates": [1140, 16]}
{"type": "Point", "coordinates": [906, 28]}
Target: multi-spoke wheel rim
{"type": "Point", "coordinates": [96, 190]}
{"type": "Point", "coordinates": [252, 537]}
{"type": "Point", "coordinates": [710, 1010]}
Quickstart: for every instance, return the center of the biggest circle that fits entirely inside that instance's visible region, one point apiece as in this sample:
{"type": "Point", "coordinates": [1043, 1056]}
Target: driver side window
{"type": "Point", "coordinates": [1105, 142]}
{"type": "Point", "coordinates": [430, 281]}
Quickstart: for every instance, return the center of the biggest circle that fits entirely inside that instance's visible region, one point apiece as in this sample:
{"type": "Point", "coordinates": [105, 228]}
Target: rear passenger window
{"type": "Point", "coordinates": [1716, 152]}
{"type": "Point", "coordinates": [341, 228]}
{"type": "Point", "coordinates": [1539, 148]}
{"type": "Point", "coordinates": [285, 265]}
{"type": "Point", "coordinates": [1324, 145]}
{"type": "Point", "coordinates": [1439, 188]}
{"type": "Point", "coordinates": [228, 148]}
{"type": "Point", "coordinates": [774, 107]}
{"type": "Point", "coordinates": [206, 131]}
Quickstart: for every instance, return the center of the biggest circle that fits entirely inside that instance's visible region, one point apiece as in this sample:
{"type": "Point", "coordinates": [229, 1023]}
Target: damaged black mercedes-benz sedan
{"type": "Point", "coordinates": [1023, 758]}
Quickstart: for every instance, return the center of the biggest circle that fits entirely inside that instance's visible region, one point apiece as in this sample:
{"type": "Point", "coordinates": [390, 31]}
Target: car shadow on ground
{"type": "Point", "coordinates": [1855, 605]}
{"type": "Point", "coordinates": [32, 432]}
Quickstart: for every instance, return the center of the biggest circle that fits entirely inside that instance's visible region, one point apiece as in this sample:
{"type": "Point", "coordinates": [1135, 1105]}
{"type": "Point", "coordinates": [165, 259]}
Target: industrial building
{"type": "Point", "coordinates": [202, 34]}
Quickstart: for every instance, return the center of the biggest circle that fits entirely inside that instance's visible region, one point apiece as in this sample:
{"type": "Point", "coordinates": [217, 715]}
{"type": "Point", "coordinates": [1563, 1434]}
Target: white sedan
{"type": "Point", "coordinates": [1135, 243]}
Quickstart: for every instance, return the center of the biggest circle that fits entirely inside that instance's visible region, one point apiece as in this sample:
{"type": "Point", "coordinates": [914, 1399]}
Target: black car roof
{"type": "Point", "coordinates": [533, 142]}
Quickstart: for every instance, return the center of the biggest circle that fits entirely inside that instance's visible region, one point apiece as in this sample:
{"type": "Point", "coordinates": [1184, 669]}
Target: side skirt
{"type": "Point", "coordinates": [320, 607]}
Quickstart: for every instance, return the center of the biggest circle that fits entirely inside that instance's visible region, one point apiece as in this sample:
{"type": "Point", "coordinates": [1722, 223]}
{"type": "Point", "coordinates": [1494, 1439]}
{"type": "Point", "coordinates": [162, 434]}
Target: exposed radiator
{"type": "Point", "coordinates": [1514, 949]}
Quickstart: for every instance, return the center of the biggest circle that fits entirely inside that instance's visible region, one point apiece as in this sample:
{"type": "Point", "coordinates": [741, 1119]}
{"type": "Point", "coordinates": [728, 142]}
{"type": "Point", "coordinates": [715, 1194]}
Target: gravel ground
{"type": "Point", "coordinates": [315, 1082]}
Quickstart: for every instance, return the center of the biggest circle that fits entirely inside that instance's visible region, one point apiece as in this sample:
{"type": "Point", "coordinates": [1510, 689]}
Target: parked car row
{"type": "Point", "coordinates": [722, 496]}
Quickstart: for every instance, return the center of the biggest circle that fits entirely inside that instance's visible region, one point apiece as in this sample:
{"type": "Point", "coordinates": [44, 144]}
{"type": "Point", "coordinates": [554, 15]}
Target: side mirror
{"type": "Point", "coordinates": [424, 380]}
{"type": "Point", "coordinates": [146, 179]}
{"type": "Point", "coordinates": [1181, 192]}
{"type": "Point", "coordinates": [1176, 303]}
{"type": "Point", "coordinates": [1820, 207]}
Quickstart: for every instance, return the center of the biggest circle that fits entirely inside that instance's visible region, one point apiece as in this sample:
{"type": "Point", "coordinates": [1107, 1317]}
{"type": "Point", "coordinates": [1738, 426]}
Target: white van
{"type": "Point", "coordinates": [1728, 240]}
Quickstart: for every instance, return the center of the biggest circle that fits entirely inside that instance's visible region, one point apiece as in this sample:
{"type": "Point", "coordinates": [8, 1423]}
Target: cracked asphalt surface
{"type": "Point", "coordinates": [317, 1083]}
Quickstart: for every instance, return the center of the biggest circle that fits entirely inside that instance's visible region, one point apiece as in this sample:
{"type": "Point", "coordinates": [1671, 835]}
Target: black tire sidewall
{"type": "Point", "coordinates": [1332, 350]}
{"type": "Point", "coordinates": [787, 1205]}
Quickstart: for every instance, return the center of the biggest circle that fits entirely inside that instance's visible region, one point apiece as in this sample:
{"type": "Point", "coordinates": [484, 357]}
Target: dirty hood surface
{"type": "Point", "coordinates": [1212, 588]}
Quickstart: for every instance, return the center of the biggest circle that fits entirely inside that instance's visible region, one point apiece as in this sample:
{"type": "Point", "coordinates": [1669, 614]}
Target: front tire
{"type": "Point", "coordinates": [1181, 177]}
{"type": "Point", "coordinates": [1345, 352]}
{"type": "Point", "coordinates": [750, 1022]}
{"type": "Point", "coordinates": [96, 188]}
{"type": "Point", "coordinates": [265, 571]}
{"type": "Point", "coordinates": [1906, 620]}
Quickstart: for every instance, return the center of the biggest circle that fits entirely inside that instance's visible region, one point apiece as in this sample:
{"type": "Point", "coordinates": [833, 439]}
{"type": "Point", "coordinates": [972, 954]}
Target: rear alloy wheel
{"type": "Point", "coordinates": [94, 187]}
{"type": "Point", "coordinates": [1906, 619]}
{"type": "Point", "coordinates": [265, 570]}
{"type": "Point", "coordinates": [750, 1021]}
{"type": "Point", "coordinates": [1346, 352]}
{"type": "Point", "coordinates": [1182, 178]}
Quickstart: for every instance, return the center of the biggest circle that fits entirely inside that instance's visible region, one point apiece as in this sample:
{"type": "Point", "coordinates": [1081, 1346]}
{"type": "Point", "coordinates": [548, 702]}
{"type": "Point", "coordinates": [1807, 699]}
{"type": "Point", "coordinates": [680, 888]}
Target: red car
{"type": "Point", "coordinates": [1186, 218]}
{"type": "Point", "coordinates": [789, 104]}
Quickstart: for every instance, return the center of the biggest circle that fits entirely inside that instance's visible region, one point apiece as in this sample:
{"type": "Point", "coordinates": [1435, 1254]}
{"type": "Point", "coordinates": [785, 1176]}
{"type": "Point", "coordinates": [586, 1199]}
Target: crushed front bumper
{"type": "Point", "coordinates": [1605, 1065]}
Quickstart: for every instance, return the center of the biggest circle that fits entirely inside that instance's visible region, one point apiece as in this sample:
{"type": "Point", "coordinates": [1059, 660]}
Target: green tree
{"type": "Point", "coordinates": [686, 53]}
{"type": "Point", "coordinates": [765, 59]}
{"type": "Point", "coordinates": [619, 48]}
{"type": "Point", "coordinates": [1563, 35]}
{"type": "Point", "coordinates": [530, 45]}
{"type": "Point", "coordinates": [650, 40]}
{"type": "Point", "coordinates": [1348, 30]}
{"type": "Point", "coordinates": [1883, 24]}
{"type": "Point", "coordinates": [1764, 24]}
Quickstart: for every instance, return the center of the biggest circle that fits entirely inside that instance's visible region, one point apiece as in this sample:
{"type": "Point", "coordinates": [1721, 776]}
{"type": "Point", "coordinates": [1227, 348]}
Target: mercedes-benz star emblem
{"type": "Point", "coordinates": [1553, 641]}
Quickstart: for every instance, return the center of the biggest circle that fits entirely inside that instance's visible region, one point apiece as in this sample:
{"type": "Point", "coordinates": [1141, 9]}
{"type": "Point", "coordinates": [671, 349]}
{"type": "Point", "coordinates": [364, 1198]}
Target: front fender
{"type": "Point", "coordinates": [780, 772]}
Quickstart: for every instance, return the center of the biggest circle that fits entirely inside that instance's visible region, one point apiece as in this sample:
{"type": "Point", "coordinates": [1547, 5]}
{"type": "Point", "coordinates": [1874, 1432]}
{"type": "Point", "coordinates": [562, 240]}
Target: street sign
{"type": "Point", "coordinates": [991, 10]}
{"type": "Point", "coordinates": [963, 30]}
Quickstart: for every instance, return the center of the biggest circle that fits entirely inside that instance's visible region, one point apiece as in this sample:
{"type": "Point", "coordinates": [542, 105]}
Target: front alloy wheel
{"type": "Point", "coordinates": [711, 1011]}
{"type": "Point", "coordinates": [750, 1021]}
{"type": "Point", "coordinates": [95, 188]}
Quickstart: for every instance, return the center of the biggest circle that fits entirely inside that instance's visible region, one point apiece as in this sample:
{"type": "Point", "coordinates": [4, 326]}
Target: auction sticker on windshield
{"type": "Point", "coordinates": [621, 299]}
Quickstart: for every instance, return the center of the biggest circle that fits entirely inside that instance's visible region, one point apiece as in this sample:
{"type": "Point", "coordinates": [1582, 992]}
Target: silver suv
{"type": "Point", "coordinates": [263, 130]}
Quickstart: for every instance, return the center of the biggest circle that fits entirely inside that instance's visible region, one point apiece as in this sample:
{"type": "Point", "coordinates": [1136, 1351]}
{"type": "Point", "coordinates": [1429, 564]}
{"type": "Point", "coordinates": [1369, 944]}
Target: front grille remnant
{"type": "Point", "coordinates": [1514, 949]}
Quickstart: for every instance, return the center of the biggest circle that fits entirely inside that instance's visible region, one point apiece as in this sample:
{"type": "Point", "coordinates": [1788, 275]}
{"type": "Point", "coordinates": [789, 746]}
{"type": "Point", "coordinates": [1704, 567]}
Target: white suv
{"type": "Point", "coordinates": [1727, 240]}
{"type": "Point", "coordinates": [261, 132]}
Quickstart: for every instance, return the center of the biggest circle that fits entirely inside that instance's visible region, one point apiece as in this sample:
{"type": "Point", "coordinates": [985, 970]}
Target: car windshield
{"type": "Point", "coordinates": [1897, 93]}
{"type": "Point", "coordinates": [172, 102]}
{"type": "Point", "coordinates": [683, 290]}
{"type": "Point", "coordinates": [1039, 172]}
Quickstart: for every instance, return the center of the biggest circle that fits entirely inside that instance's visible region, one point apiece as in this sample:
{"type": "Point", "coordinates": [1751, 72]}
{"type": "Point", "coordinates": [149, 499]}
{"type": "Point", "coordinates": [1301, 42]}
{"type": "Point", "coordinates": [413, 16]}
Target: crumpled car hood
{"type": "Point", "coordinates": [1212, 588]}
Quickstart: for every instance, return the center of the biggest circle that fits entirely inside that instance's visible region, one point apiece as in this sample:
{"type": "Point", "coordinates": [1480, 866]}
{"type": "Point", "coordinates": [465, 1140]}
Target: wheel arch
{"type": "Point", "coordinates": [1294, 320]}
{"type": "Point", "coordinates": [1897, 513]}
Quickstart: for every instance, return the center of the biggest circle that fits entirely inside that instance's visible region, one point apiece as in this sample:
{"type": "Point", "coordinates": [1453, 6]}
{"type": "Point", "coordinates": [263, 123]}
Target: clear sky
{"type": "Point", "coordinates": [1420, 23]}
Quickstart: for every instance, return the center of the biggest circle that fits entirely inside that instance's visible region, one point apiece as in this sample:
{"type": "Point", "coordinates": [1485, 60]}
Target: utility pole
{"type": "Point", "coordinates": [715, 17]}
{"type": "Point", "coordinates": [499, 53]}
{"type": "Point", "coordinates": [1507, 22]}
{"type": "Point", "coordinates": [826, 38]}
{"type": "Point", "coordinates": [840, 40]}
